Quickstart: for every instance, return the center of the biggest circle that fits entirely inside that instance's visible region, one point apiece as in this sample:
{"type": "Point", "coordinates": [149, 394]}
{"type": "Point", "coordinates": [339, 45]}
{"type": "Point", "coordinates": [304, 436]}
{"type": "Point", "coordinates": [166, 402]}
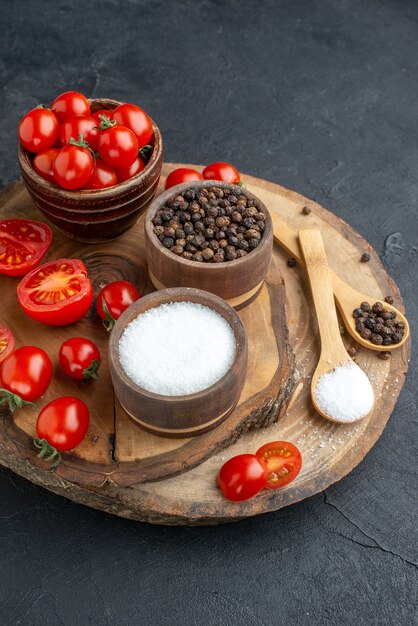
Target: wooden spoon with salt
{"type": "Point", "coordinates": [343, 403]}
{"type": "Point", "coordinates": [346, 297]}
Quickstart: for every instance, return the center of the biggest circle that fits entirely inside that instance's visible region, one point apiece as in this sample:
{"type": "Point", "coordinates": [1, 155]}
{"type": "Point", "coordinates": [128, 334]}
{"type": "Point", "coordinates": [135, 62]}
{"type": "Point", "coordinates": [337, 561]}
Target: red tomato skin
{"type": "Point", "coordinates": [271, 453]}
{"type": "Point", "coordinates": [7, 343]}
{"type": "Point", "coordinates": [103, 176]}
{"type": "Point", "coordinates": [38, 130]}
{"type": "Point", "coordinates": [73, 167]}
{"type": "Point", "coordinates": [242, 477]}
{"type": "Point", "coordinates": [60, 313]}
{"type": "Point", "coordinates": [135, 118]}
{"type": "Point", "coordinates": [118, 296]}
{"type": "Point", "coordinates": [107, 112]}
{"type": "Point", "coordinates": [73, 126]}
{"type": "Point", "coordinates": [221, 171]}
{"type": "Point", "coordinates": [118, 146]}
{"type": "Point", "coordinates": [181, 175]}
{"type": "Point", "coordinates": [63, 422]}
{"type": "Point", "coordinates": [134, 169]}
{"type": "Point", "coordinates": [76, 355]}
{"type": "Point", "coordinates": [32, 249]}
{"type": "Point", "coordinates": [43, 163]}
{"type": "Point", "coordinates": [27, 372]}
{"type": "Point", "coordinates": [70, 103]}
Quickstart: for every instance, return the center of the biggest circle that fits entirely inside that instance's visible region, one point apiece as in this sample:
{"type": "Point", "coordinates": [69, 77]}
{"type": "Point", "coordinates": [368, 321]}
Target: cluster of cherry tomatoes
{"type": "Point", "coordinates": [80, 149]}
{"type": "Point", "coordinates": [215, 171]}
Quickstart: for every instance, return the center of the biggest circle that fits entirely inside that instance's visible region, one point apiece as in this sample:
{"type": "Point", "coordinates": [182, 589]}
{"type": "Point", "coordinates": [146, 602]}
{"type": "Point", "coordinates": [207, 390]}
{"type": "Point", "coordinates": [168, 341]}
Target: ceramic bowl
{"type": "Point", "coordinates": [98, 215]}
{"type": "Point", "coordinates": [238, 282]}
{"type": "Point", "coordinates": [188, 415]}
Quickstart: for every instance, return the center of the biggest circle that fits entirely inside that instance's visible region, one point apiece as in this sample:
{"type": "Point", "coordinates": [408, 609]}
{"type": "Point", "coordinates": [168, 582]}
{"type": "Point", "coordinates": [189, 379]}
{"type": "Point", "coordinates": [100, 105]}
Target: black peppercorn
{"type": "Point", "coordinates": [376, 339]}
{"type": "Point", "coordinates": [306, 210]}
{"type": "Point", "coordinates": [291, 262]}
{"type": "Point", "coordinates": [168, 242]}
{"type": "Point", "coordinates": [384, 355]}
{"type": "Point", "coordinates": [365, 257]}
{"type": "Point", "coordinates": [389, 299]}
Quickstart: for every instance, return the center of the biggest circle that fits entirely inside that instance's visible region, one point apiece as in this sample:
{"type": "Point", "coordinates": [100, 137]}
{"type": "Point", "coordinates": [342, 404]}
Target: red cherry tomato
{"type": "Point", "coordinates": [56, 293]}
{"type": "Point", "coordinates": [79, 358]}
{"type": "Point", "coordinates": [63, 423]}
{"type": "Point", "coordinates": [117, 146]}
{"type": "Point", "coordinates": [221, 171]}
{"type": "Point", "coordinates": [242, 477]}
{"type": "Point", "coordinates": [7, 342]}
{"type": "Point", "coordinates": [73, 166]}
{"type": "Point", "coordinates": [25, 376]}
{"type": "Point", "coordinates": [284, 463]}
{"type": "Point", "coordinates": [43, 163]}
{"type": "Point", "coordinates": [182, 175]}
{"type": "Point", "coordinates": [107, 112]}
{"type": "Point", "coordinates": [134, 118]}
{"type": "Point", "coordinates": [113, 299]}
{"type": "Point", "coordinates": [103, 176]}
{"type": "Point", "coordinates": [73, 126]}
{"type": "Point", "coordinates": [70, 103]}
{"type": "Point", "coordinates": [134, 169]}
{"type": "Point", "coordinates": [23, 243]}
{"type": "Point", "coordinates": [38, 130]}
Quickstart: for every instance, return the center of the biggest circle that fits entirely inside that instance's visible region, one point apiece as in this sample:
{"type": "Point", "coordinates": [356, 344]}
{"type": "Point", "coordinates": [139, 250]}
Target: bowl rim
{"type": "Point", "coordinates": [26, 165]}
{"type": "Point", "coordinates": [265, 241]}
{"type": "Point", "coordinates": [128, 316]}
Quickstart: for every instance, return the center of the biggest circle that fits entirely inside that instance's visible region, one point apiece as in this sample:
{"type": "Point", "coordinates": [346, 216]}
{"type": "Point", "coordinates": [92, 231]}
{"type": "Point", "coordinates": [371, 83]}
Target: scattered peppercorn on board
{"type": "Point", "coordinates": [124, 470]}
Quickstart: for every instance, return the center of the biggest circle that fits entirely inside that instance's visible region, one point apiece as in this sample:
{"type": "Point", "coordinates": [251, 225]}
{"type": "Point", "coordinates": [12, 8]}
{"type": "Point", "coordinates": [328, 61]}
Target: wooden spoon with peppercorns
{"type": "Point", "coordinates": [350, 303]}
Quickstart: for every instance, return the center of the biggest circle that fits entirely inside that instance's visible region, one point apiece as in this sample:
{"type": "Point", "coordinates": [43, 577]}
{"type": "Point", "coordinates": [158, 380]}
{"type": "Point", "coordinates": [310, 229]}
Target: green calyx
{"type": "Point", "coordinates": [105, 122]}
{"type": "Point", "coordinates": [13, 400]}
{"type": "Point", "coordinates": [145, 152]}
{"type": "Point", "coordinates": [80, 142]}
{"type": "Point", "coordinates": [109, 321]}
{"type": "Point", "coordinates": [91, 370]}
{"type": "Point", "coordinates": [241, 184]}
{"type": "Point", "coordinates": [47, 452]}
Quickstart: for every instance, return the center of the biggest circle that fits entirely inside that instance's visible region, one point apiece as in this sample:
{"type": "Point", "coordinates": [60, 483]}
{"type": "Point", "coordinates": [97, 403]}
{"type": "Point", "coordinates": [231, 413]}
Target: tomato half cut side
{"type": "Point", "coordinates": [7, 342]}
{"type": "Point", "coordinates": [23, 243]}
{"type": "Point", "coordinates": [284, 462]}
{"type": "Point", "coordinates": [56, 293]}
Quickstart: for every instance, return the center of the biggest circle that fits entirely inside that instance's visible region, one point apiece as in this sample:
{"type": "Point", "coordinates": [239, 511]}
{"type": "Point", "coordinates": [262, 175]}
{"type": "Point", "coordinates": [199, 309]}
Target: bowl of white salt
{"type": "Point", "coordinates": [178, 361]}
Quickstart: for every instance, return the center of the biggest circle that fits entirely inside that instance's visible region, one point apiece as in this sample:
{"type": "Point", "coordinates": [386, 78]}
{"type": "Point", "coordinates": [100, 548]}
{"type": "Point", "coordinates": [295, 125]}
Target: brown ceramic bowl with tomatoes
{"type": "Point", "coordinates": [95, 215]}
{"type": "Point", "coordinates": [238, 282]}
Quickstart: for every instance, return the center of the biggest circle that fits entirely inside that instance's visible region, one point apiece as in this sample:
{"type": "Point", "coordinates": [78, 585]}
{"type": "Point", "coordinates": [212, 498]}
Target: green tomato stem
{"type": "Point", "coordinates": [47, 452]}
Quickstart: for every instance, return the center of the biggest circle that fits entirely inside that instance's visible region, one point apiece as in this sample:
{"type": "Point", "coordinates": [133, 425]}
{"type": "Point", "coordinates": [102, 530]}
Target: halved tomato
{"type": "Point", "coordinates": [7, 342]}
{"type": "Point", "coordinates": [23, 243]}
{"type": "Point", "coordinates": [56, 293]}
{"type": "Point", "coordinates": [284, 463]}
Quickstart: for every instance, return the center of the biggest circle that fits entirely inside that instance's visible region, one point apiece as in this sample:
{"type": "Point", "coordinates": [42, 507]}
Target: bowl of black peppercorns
{"type": "Point", "coordinates": [209, 235]}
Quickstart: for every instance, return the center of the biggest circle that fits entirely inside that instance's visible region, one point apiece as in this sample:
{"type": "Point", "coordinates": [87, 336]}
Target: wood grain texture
{"type": "Point", "coordinates": [329, 451]}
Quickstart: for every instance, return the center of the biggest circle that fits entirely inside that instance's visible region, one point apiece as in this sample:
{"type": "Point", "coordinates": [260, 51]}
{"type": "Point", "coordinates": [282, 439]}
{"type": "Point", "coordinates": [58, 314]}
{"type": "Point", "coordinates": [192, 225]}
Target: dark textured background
{"type": "Point", "coordinates": [320, 96]}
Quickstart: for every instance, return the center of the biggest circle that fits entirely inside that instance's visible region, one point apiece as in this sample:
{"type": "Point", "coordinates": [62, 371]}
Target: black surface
{"type": "Point", "coordinates": [322, 98]}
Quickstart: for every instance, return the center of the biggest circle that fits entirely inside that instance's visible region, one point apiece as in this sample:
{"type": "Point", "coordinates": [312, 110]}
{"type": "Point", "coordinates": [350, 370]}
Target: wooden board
{"type": "Point", "coordinates": [113, 467]}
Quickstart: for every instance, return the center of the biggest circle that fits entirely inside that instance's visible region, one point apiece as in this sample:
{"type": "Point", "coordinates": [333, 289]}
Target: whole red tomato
{"type": "Point", "coordinates": [43, 163]}
{"type": "Point", "coordinates": [25, 376]}
{"type": "Point", "coordinates": [134, 118]}
{"type": "Point", "coordinates": [242, 477]}
{"type": "Point", "coordinates": [7, 342]}
{"type": "Point", "coordinates": [117, 145]}
{"type": "Point", "coordinates": [38, 130]}
{"type": "Point", "coordinates": [23, 243]}
{"type": "Point", "coordinates": [113, 299]}
{"type": "Point", "coordinates": [103, 176]}
{"type": "Point", "coordinates": [73, 165]}
{"type": "Point", "coordinates": [70, 103]}
{"type": "Point", "coordinates": [79, 358]}
{"type": "Point", "coordinates": [182, 175]}
{"type": "Point", "coordinates": [63, 423]}
{"type": "Point", "coordinates": [221, 171]}
{"type": "Point", "coordinates": [134, 169]}
{"type": "Point", "coordinates": [56, 293]}
{"type": "Point", "coordinates": [73, 126]}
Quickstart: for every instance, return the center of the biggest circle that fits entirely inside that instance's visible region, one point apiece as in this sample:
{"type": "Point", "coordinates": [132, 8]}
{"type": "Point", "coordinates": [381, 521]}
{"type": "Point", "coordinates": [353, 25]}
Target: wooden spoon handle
{"type": "Point", "coordinates": [319, 275]}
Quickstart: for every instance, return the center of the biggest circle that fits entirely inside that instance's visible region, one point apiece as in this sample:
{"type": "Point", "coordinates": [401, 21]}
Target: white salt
{"type": "Point", "coordinates": [177, 348]}
{"type": "Point", "coordinates": [345, 394]}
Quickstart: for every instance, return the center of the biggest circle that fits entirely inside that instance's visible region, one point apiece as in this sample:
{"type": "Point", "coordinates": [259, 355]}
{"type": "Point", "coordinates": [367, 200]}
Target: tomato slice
{"type": "Point", "coordinates": [56, 293]}
{"type": "Point", "coordinates": [7, 342]}
{"type": "Point", "coordinates": [23, 243]}
{"type": "Point", "coordinates": [284, 462]}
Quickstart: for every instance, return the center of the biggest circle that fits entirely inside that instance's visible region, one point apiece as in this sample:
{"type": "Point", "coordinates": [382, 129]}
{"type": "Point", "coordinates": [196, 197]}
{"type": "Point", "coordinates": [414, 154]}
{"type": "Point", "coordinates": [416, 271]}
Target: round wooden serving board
{"type": "Point", "coordinates": [124, 470]}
